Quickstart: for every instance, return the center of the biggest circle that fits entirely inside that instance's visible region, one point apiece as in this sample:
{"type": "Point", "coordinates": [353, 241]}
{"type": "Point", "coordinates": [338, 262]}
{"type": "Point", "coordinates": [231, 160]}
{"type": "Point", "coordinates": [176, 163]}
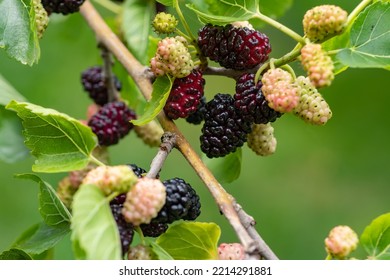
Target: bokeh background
{"type": "Point", "coordinates": [318, 178]}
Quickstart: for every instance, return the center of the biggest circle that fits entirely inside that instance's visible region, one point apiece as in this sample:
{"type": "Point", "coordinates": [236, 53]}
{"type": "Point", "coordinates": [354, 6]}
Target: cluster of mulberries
{"type": "Point", "coordinates": [152, 205]}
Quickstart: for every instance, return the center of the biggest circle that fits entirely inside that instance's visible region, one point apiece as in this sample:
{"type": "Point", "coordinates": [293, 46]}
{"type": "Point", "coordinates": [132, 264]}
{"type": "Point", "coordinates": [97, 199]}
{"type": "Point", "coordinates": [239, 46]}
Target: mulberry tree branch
{"type": "Point", "coordinates": [137, 71]}
{"type": "Point", "coordinates": [168, 142]}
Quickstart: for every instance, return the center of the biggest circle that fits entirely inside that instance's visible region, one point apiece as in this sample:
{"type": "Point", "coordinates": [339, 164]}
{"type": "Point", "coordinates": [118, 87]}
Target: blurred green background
{"type": "Point", "coordinates": [318, 178]}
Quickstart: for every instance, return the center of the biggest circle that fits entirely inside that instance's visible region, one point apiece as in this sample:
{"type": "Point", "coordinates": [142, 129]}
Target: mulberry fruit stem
{"type": "Point", "coordinates": [190, 37]}
{"type": "Point", "coordinates": [351, 17]}
{"type": "Point", "coordinates": [113, 94]}
{"type": "Point", "coordinates": [224, 200]}
{"type": "Point", "coordinates": [183, 20]}
{"type": "Point", "coordinates": [96, 161]}
{"type": "Point", "coordinates": [277, 62]}
{"type": "Point", "coordinates": [141, 235]}
{"type": "Point", "coordinates": [280, 27]}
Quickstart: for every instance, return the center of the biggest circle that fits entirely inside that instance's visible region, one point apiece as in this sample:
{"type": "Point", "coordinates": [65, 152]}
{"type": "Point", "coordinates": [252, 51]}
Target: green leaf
{"type": "Point", "coordinates": [14, 254]}
{"type": "Point", "coordinates": [94, 231]}
{"type": "Point", "coordinates": [221, 12]}
{"type": "Point", "coordinates": [59, 142]}
{"type": "Point", "coordinates": [41, 238]}
{"type": "Point", "coordinates": [18, 33]}
{"type": "Point", "coordinates": [166, 2]}
{"type": "Point", "coordinates": [52, 210]}
{"type": "Point", "coordinates": [136, 26]}
{"type": "Point", "coordinates": [375, 238]}
{"type": "Point", "coordinates": [8, 93]}
{"type": "Point", "coordinates": [161, 89]}
{"type": "Point", "coordinates": [369, 45]}
{"type": "Point", "coordinates": [191, 241]}
{"type": "Point", "coordinates": [160, 252]}
{"type": "Point", "coordinates": [225, 169]}
{"type": "Point", "coordinates": [12, 148]}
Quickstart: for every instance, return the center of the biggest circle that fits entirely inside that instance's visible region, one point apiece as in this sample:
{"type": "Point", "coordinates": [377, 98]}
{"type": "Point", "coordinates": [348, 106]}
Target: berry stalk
{"type": "Point", "coordinates": [137, 71]}
{"type": "Point", "coordinates": [281, 27]}
{"type": "Point", "coordinates": [109, 80]}
{"type": "Point", "coordinates": [362, 5]}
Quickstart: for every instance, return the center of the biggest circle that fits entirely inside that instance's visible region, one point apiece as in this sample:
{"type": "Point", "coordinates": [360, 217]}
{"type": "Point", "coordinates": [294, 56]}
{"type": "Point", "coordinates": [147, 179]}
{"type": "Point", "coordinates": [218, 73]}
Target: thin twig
{"type": "Point", "coordinates": [136, 71]}
{"type": "Point", "coordinates": [168, 142]}
{"type": "Point", "coordinates": [249, 223]}
{"type": "Point", "coordinates": [109, 79]}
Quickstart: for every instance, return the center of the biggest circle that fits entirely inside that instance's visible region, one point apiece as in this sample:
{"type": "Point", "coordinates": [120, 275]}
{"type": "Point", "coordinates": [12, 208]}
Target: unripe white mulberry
{"type": "Point", "coordinates": [41, 17]}
{"type": "Point", "coordinates": [144, 200]}
{"type": "Point", "coordinates": [261, 140]}
{"type": "Point", "coordinates": [172, 58]}
{"type": "Point", "coordinates": [317, 64]}
{"type": "Point", "coordinates": [323, 22]}
{"type": "Point", "coordinates": [164, 23]}
{"type": "Point", "coordinates": [111, 179]}
{"type": "Point", "coordinates": [279, 90]}
{"type": "Point", "coordinates": [341, 241]}
{"type": "Point", "coordinates": [312, 107]}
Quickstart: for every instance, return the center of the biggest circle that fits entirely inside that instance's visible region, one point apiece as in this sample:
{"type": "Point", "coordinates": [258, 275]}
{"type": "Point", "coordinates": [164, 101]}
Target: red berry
{"type": "Point", "coordinates": [185, 95]}
{"type": "Point", "coordinates": [234, 47]}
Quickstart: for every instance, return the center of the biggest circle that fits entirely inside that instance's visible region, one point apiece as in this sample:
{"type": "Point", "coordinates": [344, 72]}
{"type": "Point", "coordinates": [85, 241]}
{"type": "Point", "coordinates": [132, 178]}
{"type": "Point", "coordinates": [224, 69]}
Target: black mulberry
{"type": "Point", "coordinates": [93, 82]}
{"type": "Point", "coordinates": [224, 129]}
{"type": "Point", "coordinates": [62, 6]}
{"type": "Point", "coordinates": [182, 202]}
{"type": "Point", "coordinates": [112, 122]}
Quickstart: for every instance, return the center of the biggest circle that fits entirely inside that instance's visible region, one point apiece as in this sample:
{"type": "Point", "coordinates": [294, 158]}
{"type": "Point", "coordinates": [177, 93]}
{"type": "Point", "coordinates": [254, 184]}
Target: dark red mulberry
{"type": "Point", "coordinates": [112, 122]}
{"type": "Point", "coordinates": [251, 103]}
{"type": "Point", "coordinates": [185, 95]}
{"type": "Point", "coordinates": [232, 47]}
{"type": "Point", "coordinates": [224, 129]}
{"type": "Point", "coordinates": [93, 82]}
